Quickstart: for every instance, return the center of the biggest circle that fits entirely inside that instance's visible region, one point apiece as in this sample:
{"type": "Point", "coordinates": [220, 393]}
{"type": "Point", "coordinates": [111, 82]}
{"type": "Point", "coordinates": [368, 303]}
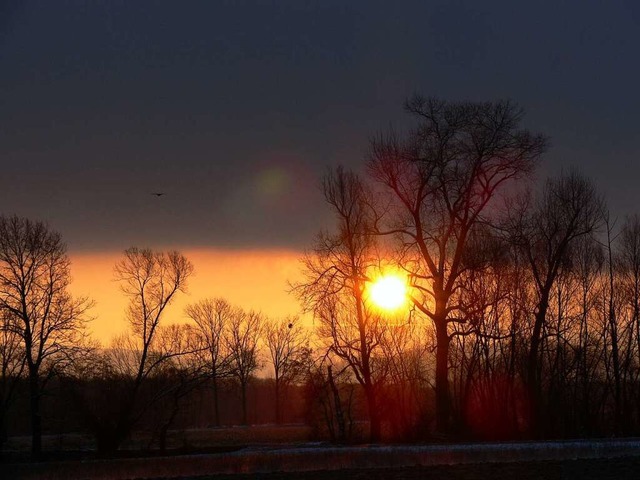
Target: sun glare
{"type": "Point", "coordinates": [388, 292]}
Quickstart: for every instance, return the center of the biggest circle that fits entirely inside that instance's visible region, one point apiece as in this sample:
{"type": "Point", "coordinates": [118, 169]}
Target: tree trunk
{"type": "Point", "coordinates": [342, 431]}
{"type": "Point", "coordinates": [613, 326]}
{"type": "Point", "coordinates": [36, 418]}
{"type": "Point", "coordinates": [277, 393]}
{"type": "Point", "coordinates": [216, 406]}
{"type": "Point", "coordinates": [365, 354]}
{"type": "Point", "coordinates": [584, 418]}
{"type": "Point", "coordinates": [443, 407]}
{"type": "Point", "coordinates": [243, 388]}
{"type": "Point", "coordinates": [533, 379]}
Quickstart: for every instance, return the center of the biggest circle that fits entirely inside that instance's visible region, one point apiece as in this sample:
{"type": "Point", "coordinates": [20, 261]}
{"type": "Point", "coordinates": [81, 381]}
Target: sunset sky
{"type": "Point", "coordinates": [234, 109]}
{"type": "Point", "coordinates": [254, 279]}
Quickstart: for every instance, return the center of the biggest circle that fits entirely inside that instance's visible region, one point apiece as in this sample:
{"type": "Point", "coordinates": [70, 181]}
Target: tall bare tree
{"type": "Point", "coordinates": [34, 280]}
{"type": "Point", "coordinates": [589, 260]}
{"type": "Point", "coordinates": [442, 177]}
{"type": "Point", "coordinates": [336, 275]}
{"type": "Point", "coordinates": [212, 318]}
{"type": "Point", "coordinates": [288, 345]}
{"type": "Point", "coordinates": [628, 263]}
{"type": "Point", "coordinates": [569, 208]}
{"type": "Point", "coordinates": [151, 280]}
{"type": "Point", "coordinates": [242, 340]}
{"type": "Point", "coordinates": [179, 375]}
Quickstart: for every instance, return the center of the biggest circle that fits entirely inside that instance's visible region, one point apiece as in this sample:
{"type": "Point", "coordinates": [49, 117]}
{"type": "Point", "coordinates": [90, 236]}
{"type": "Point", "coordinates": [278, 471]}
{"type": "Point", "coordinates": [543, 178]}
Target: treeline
{"type": "Point", "coordinates": [66, 424]}
{"type": "Point", "coordinates": [524, 306]}
{"type": "Point", "coordinates": [154, 366]}
{"type": "Point", "coordinates": [523, 317]}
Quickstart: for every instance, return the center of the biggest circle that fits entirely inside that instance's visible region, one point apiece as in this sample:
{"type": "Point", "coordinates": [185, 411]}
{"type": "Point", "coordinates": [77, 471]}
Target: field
{"type": "Point", "coordinates": [204, 440]}
{"type": "Point", "coordinates": [546, 460]}
{"type": "Point", "coordinates": [626, 468]}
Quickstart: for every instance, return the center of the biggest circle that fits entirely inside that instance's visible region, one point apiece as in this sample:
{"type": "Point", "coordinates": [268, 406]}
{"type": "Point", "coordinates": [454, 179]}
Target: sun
{"type": "Point", "coordinates": [388, 292]}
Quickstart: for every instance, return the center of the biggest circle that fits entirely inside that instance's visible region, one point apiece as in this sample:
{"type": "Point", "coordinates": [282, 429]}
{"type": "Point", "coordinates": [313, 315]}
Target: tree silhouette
{"type": "Point", "coordinates": [242, 339]}
{"type": "Point", "coordinates": [441, 178]}
{"type": "Point", "coordinates": [151, 280]}
{"type": "Point", "coordinates": [288, 345]}
{"type": "Point", "coordinates": [34, 278]}
{"type": "Point", "coordinates": [335, 279]}
{"type": "Point", "coordinates": [568, 209]}
{"type": "Point", "coordinates": [212, 318]}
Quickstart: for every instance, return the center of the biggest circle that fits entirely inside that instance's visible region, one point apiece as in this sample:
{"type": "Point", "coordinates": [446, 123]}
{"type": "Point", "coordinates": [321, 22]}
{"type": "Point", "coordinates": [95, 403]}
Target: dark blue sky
{"type": "Point", "coordinates": [235, 108]}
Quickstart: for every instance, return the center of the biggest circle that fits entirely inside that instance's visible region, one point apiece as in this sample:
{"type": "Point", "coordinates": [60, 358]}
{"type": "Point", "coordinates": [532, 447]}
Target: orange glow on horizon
{"type": "Point", "coordinates": [252, 279]}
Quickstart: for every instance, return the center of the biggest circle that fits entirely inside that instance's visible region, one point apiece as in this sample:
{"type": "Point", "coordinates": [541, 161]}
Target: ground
{"type": "Point", "coordinates": [600, 469]}
{"type": "Point", "coordinates": [579, 459]}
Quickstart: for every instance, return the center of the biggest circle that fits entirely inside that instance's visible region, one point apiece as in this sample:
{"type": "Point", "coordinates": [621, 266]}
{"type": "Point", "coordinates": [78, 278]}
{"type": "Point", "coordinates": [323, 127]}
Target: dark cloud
{"type": "Point", "coordinates": [234, 109]}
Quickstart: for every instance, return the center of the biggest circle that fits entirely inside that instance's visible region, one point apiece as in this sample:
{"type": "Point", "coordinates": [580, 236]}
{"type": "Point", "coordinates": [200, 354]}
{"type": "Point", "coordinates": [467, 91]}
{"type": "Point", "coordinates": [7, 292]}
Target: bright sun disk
{"type": "Point", "coordinates": [388, 292]}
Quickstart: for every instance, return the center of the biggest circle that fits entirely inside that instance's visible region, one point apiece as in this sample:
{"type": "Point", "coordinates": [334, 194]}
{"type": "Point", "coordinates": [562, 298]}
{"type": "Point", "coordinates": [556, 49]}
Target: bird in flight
{"type": "Point", "coordinates": [158, 194]}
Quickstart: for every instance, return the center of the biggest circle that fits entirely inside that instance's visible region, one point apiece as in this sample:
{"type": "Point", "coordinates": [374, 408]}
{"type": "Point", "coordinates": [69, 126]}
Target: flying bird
{"type": "Point", "coordinates": [158, 194]}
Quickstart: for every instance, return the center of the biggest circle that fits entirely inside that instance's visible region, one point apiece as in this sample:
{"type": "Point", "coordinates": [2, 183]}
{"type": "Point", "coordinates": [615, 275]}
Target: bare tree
{"type": "Point", "coordinates": [244, 333]}
{"type": "Point", "coordinates": [288, 345]}
{"type": "Point", "coordinates": [212, 318]}
{"type": "Point", "coordinates": [151, 280]}
{"type": "Point", "coordinates": [405, 351]}
{"type": "Point", "coordinates": [12, 363]}
{"type": "Point", "coordinates": [442, 178]}
{"type": "Point", "coordinates": [628, 263]}
{"type": "Point", "coordinates": [34, 278]}
{"type": "Point", "coordinates": [336, 274]}
{"type": "Point", "coordinates": [483, 354]}
{"type": "Point", "coordinates": [613, 319]}
{"type": "Point", "coordinates": [568, 209]}
{"type": "Point", "coordinates": [588, 264]}
{"type": "Point", "coordinates": [179, 375]}
{"type": "Point", "coordinates": [329, 398]}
